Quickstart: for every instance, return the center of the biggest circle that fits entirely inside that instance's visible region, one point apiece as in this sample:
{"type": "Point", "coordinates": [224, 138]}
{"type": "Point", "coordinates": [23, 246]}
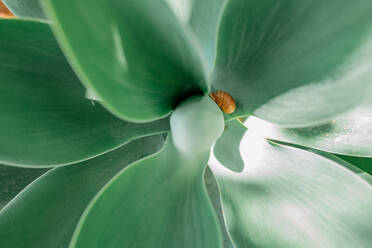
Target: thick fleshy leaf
{"type": "Point", "coordinates": [25, 8]}
{"type": "Point", "coordinates": [158, 202]}
{"type": "Point", "coordinates": [204, 19]}
{"type": "Point", "coordinates": [348, 134]}
{"type": "Point", "coordinates": [295, 63]}
{"type": "Point", "coordinates": [45, 118]}
{"type": "Point", "coordinates": [13, 180]}
{"type": "Point", "coordinates": [287, 197]}
{"type": "Point", "coordinates": [227, 146]}
{"type": "Point", "coordinates": [214, 195]}
{"type": "Point", "coordinates": [133, 54]}
{"type": "Point", "coordinates": [46, 213]}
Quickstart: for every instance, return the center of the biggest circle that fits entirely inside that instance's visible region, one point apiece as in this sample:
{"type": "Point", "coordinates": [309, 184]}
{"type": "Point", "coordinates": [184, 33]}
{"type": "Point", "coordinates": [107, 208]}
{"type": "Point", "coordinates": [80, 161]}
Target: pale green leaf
{"type": "Point", "coordinates": [287, 197]}
{"type": "Point", "coordinates": [295, 63]}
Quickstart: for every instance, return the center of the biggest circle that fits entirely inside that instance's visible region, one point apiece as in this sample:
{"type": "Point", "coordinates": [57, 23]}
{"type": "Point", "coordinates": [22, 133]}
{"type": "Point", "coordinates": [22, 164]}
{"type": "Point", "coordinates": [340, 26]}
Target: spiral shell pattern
{"type": "Point", "coordinates": [224, 100]}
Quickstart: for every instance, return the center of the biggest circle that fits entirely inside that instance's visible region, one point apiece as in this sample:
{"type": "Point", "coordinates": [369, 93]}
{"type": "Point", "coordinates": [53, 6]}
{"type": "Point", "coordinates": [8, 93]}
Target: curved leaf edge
{"type": "Point", "coordinates": [84, 215]}
{"type": "Point", "coordinates": [222, 209]}
{"type": "Point", "coordinates": [84, 159]}
{"type": "Point", "coordinates": [327, 155]}
{"type": "Point", "coordinates": [25, 189]}
{"type": "Point", "coordinates": [84, 79]}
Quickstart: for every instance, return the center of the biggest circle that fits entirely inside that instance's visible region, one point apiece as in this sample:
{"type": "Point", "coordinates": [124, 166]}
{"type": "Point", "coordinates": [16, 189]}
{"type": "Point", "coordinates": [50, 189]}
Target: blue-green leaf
{"type": "Point", "coordinates": [45, 119]}
{"type": "Point", "coordinates": [46, 213]}
{"type": "Point", "coordinates": [227, 147]}
{"type": "Point", "coordinates": [348, 134]}
{"type": "Point", "coordinates": [295, 63]}
{"type": "Point", "coordinates": [287, 197]}
{"type": "Point", "coordinates": [135, 55]}
{"type": "Point", "coordinates": [157, 202]}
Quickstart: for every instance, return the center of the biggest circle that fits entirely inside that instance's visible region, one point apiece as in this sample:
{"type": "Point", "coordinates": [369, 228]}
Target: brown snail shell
{"type": "Point", "coordinates": [224, 100]}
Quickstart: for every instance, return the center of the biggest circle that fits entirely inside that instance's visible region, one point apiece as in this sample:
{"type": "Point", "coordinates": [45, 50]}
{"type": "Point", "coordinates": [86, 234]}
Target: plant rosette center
{"type": "Point", "coordinates": [196, 124]}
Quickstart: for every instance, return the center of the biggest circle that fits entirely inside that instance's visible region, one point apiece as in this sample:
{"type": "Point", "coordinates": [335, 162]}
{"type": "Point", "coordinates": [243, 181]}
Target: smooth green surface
{"type": "Point", "coordinates": [348, 134]}
{"type": "Point", "coordinates": [133, 54]}
{"type": "Point", "coordinates": [157, 202]}
{"type": "Point", "coordinates": [204, 20]}
{"type": "Point", "coordinates": [286, 197]}
{"type": "Point", "coordinates": [227, 147]}
{"type": "Point", "coordinates": [13, 180]}
{"type": "Point", "coordinates": [25, 8]}
{"type": "Point", "coordinates": [46, 213]}
{"type": "Point", "coordinates": [196, 124]}
{"type": "Point", "coordinates": [214, 195]}
{"type": "Point", "coordinates": [295, 63]}
{"type": "Point", "coordinates": [365, 164]}
{"type": "Point", "coordinates": [45, 118]}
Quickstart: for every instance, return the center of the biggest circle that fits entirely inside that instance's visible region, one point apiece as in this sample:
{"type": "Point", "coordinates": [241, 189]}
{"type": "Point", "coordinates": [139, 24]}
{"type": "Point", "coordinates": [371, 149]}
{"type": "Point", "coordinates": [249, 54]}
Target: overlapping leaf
{"type": "Point", "coordinates": [45, 119]}
{"type": "Point", "coordinates": [295, 63]}
{"type": "Point", "coordinates": [158, 202]}
{"type": "Point", "coordinates": [46, 213]}
{"type": "Point", "coordinates": [133, 54]}
{"type": "Point", "coordinates": [13, 180]}
{"type": "Point", "coordinates": [227, 146]}
{"type": "Point", "coordinates": [287, 197]}
{"type": "Point", "coordinates": [348, 134]}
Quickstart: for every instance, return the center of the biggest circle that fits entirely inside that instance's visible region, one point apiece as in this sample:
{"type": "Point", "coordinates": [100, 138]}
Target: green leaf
{"type": "Point", "coordinates": [13, 180]}
{"type": "Point", "coordinates": [133, 54]}
{"type": "Point", "coordinates": [204, 19]}
{"type": "Point", "coordinates": [214, 195]}
{"type": "Point", "coordinates": [348, 134]}
{"type": "Point", "coordinates": [46, 213]}
{"type": "Point", "coordinates": [365, 164]}
{"type": "Point", "coordinates": [287, 197]}
{"type": "Point", "coordinates": [25, 8]}
{"type": "Point", "coordinates": [157, 202]}
{"type": "Point", "coordinates": [45, 119]}
{"type": "Point", "coordinates": [295, 63]}
{"type": "Point", "coordinates": [227, 147]}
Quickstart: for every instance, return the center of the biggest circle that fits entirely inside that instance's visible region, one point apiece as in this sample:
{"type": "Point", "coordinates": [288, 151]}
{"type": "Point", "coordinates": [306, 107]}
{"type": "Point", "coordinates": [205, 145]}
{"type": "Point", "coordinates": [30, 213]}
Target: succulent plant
{"type": "Point", "coordinates": [186, 123]}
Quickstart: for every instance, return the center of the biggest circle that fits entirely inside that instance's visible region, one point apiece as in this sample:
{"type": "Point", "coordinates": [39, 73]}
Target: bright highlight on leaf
{"type": "Point", "coordinates": [286, 197]}
{"type": "Point", "coordinates": [348, 134]}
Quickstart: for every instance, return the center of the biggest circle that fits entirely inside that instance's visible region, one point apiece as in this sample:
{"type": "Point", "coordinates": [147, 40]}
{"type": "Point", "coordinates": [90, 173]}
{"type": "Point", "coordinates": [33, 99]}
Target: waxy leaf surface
{"type": "Point", "coordinates": [45, 118]}
{"type": "Point", "coordinates": [286, 197]}
{"type": "Point", "coordinates": [227, 146]}
{"type": "Point", "coordinates": [295, 63]}
{"type": "Point", "coordinates": [349, 133]}
{"type": "Point", "coordinates": [46, 213]}
{"type": "Point", "coordinates": [160, 201]}
{"type": "Point", "coordinates": [204, 20]}
{"type": "Point", "coordinates": [135, 55]}
{"type": "Point", "coordinates": [14, 179]}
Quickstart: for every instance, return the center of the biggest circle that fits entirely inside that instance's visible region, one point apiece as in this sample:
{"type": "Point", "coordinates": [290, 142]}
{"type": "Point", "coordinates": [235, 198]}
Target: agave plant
{"type": "Point", "coordinates": [126, 108]}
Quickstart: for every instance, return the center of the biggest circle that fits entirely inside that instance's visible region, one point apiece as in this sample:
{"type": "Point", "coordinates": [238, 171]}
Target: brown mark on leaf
{"type": "Point", "coordinates": [4, 11]}
{"type": "Point", "coordinates": [224, 100]}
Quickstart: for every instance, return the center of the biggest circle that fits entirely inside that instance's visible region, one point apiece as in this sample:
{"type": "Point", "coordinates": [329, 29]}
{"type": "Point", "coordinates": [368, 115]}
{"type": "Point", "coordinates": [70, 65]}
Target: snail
{"type": "Point", "coordinates": [224, 100]}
